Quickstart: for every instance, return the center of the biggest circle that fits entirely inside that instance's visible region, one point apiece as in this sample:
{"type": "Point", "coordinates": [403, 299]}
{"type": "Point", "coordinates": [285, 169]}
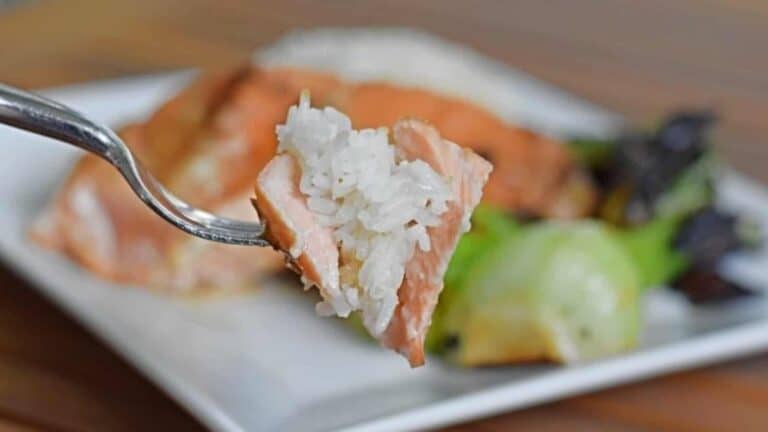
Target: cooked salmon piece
{"type": "Point", "coordinates": [423, 281]}
{"type": "Point", "coordinates": [97, 220]}
{"type": "Point", "coordinates": [293, 228]}
{"type": "Point", "coordinates": [533, 175]}
{"type": "Point", "coordinates": [362, 186]}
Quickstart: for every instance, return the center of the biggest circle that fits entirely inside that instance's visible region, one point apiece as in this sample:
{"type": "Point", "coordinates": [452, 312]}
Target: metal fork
{"type": "Point", "coordinates": [42, 116]}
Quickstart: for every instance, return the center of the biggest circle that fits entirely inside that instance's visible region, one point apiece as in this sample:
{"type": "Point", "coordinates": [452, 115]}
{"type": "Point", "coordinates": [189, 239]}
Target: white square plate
{"type": "Point", "coordinates": [264, 361]}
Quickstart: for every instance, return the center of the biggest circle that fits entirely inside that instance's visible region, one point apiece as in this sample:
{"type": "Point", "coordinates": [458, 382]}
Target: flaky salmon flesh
{"type": "Point", "coordinates": [209, 143]}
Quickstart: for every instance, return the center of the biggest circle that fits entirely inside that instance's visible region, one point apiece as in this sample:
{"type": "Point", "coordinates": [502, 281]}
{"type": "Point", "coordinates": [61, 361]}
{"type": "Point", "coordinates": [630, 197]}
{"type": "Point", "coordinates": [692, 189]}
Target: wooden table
{"type": "Point", "coordinates": [637, 57]}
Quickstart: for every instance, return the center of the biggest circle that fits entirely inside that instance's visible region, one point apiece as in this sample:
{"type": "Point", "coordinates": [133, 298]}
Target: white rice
{"type": "Point", "coordinates": [378, 206]}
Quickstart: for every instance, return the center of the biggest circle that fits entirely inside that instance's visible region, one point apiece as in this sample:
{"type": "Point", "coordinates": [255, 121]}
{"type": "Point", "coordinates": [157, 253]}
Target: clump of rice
{"type": "Point", "coordinates": [378, 206]}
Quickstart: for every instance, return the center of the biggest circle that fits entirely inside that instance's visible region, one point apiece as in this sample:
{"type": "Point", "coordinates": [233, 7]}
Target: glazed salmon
{"type": "Point", "coordinates": [533, 175]}
{"type": "Point", "coordinates": [208, 144]}
{"type": "Point", "coordinates": [96, 219]}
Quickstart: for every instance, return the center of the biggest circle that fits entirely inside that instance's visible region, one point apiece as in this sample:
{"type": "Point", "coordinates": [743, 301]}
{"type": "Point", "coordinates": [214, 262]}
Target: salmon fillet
{"type": "Point", "coordinates": [208, 144]}
{"type": "Point", "coordinates": [97, 220]}
{"type": "Point", "coordinates": [533, 174]}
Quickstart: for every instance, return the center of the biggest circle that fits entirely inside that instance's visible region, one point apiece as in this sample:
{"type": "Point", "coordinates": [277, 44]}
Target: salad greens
{"type": "Point", "coordinates": [653, 253]}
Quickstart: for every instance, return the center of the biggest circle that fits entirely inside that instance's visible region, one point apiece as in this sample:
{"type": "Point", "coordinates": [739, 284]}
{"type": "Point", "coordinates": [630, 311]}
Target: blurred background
{"type": "Point", "coordinates": [638, 58]}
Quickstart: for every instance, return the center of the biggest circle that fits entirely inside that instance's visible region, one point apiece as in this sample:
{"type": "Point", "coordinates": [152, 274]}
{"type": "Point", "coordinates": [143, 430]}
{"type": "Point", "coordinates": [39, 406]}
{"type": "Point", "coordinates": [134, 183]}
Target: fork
{"type": "Point", "coordinates": [42, 116]}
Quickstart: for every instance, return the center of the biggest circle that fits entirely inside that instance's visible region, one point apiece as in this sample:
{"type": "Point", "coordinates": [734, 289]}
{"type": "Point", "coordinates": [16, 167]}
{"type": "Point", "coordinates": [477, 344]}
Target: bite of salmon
{"type": "Point", "coordinates": [371, 224]}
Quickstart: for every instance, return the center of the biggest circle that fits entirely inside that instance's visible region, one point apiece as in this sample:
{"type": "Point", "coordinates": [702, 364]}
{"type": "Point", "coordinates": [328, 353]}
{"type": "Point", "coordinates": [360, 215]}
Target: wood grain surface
{"type": "Point", "coordinates": [639, 58]}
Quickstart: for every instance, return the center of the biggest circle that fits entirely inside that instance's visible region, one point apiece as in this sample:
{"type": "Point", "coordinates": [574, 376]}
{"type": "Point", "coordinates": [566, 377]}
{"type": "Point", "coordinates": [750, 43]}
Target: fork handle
{"type": "Point", "coordinates": [41, 116]}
